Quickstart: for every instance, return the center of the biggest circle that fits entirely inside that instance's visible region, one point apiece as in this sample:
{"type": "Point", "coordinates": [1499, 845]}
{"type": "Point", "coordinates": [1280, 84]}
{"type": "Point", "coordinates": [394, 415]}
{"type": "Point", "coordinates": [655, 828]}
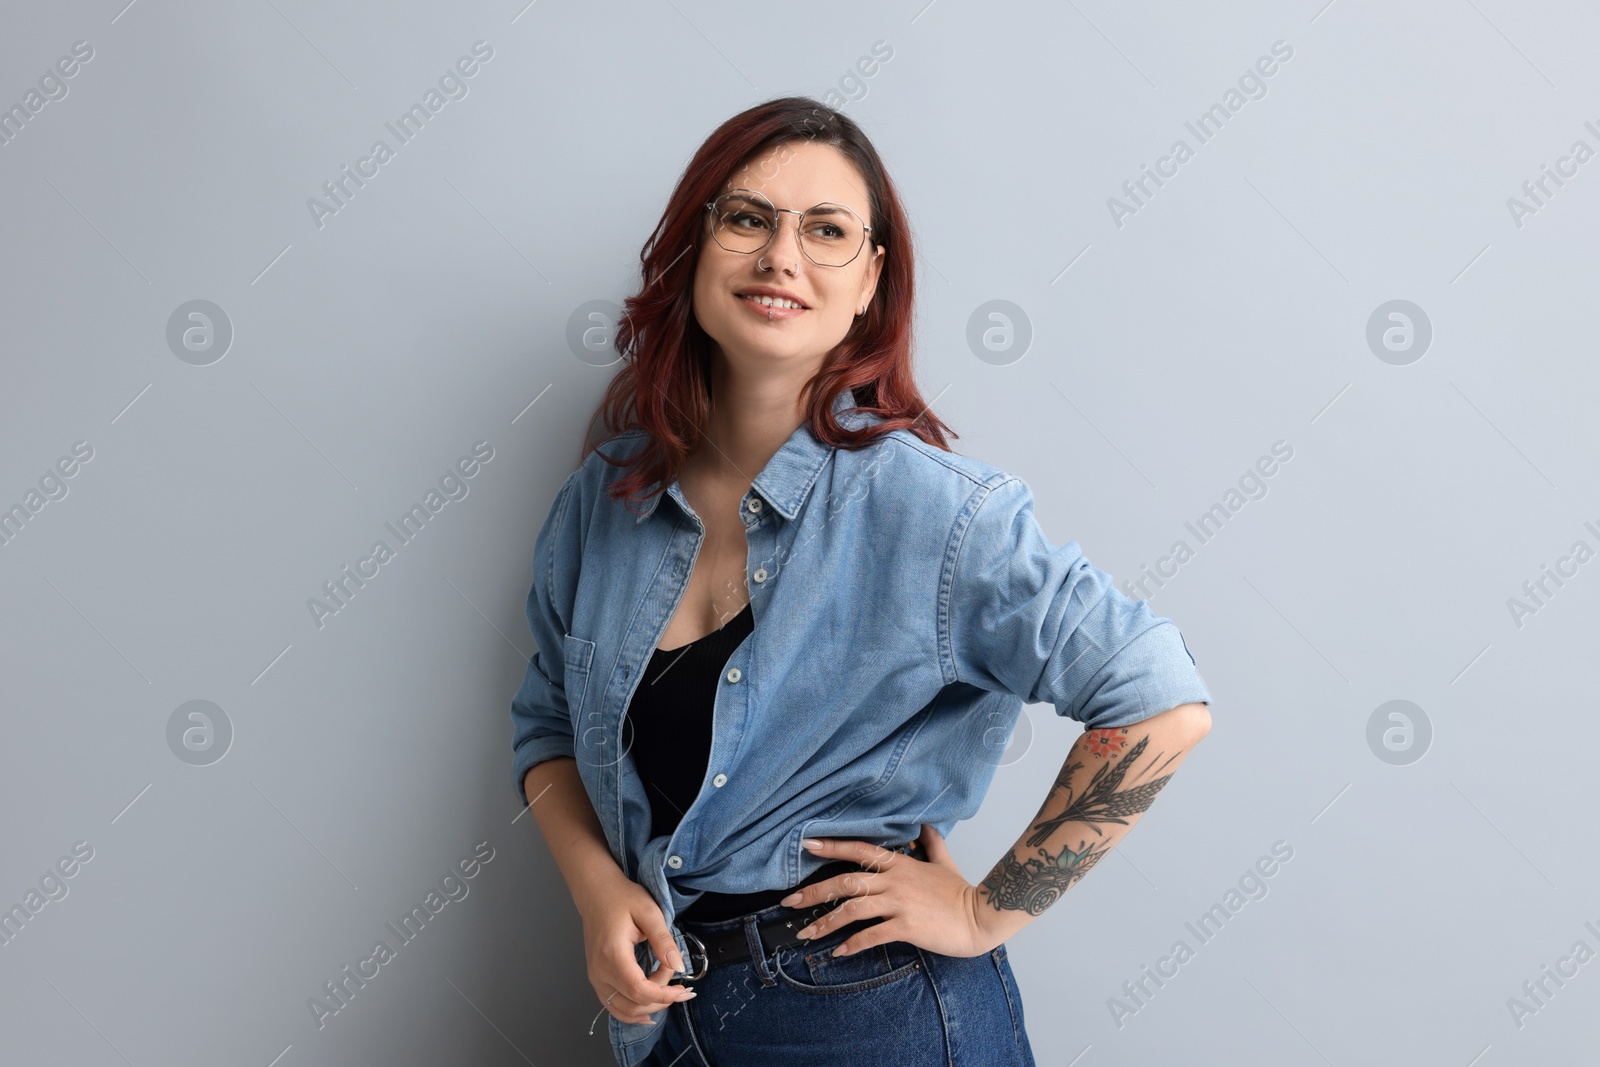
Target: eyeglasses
{"type": "Point", "coordinates": [744, 221]}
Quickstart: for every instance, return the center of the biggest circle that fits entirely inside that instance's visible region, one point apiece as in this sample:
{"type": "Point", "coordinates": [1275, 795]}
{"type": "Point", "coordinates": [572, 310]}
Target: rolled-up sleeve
{"type": "Point", "coordinates": [1044, 623]}
{"type": "Point", "coordinates": [541, 726]}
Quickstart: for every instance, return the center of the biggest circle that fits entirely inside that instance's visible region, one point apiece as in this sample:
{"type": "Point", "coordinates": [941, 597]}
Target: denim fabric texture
{"type": "Point", "coordinates": [891, 1005]}
{"type": "Point", "coordinates": [907, 604]}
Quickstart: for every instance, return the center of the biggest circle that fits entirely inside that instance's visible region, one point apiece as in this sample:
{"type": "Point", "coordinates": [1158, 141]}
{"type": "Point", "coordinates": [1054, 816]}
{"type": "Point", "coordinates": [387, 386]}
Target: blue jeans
{"type": "Point", "coordinates": [891, 1005]}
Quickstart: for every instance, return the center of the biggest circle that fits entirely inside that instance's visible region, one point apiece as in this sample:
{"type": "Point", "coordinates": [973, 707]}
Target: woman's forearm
{"type": "Point", "coordinates": [571, 828]}
{"type": "Point", "coordinates": [1109, 778]}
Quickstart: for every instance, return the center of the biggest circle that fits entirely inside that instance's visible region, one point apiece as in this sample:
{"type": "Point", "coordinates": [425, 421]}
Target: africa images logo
{"type": "Point", "coordinates": [1250, 86]}
{"type": "Point", "coordinates": [340, 990]}
{"type": "Point", "coordinates": [341, 589]}
{"type": "Point", "coordinates": [342, 189]}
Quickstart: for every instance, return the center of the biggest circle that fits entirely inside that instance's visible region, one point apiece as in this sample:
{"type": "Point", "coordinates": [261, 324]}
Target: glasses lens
{"type": "Point", "coordinates": [743, 223]}
{"type": "Point", "coordinates": [831, 234]}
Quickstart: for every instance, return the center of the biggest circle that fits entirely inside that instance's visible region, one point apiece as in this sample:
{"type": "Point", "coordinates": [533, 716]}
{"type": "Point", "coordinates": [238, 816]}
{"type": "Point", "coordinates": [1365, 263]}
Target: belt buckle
{"type": "Point", "coordinates": [705, 958]}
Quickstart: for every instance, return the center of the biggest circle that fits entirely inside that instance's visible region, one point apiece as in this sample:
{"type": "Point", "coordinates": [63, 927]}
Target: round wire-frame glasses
{"type": "Point", "coordinates": [777, 214]}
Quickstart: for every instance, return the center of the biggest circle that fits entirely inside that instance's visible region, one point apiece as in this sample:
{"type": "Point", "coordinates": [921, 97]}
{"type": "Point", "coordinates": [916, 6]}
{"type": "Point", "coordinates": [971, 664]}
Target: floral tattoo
{"type": "Point", "coordinates": [1034, 884]}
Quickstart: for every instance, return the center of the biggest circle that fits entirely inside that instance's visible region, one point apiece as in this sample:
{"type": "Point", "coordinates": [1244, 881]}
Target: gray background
{"type": "Point", "coordinates": [1167, 354]}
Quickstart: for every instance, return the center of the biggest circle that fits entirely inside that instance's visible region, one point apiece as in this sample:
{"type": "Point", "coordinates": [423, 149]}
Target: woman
{"type": "Point", "coordinates": [760, 691]}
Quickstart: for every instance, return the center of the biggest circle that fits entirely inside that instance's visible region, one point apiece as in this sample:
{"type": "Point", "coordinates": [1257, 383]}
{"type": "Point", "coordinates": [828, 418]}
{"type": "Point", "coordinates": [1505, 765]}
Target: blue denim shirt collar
{"type": "Point", "coordinates": [787, 478]}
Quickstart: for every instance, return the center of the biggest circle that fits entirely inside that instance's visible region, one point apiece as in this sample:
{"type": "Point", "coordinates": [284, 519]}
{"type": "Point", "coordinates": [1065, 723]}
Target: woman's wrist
{"type": "Point", "coordinates": [995, 925]}
{"type": "Point", "coordinates": [596, 884]}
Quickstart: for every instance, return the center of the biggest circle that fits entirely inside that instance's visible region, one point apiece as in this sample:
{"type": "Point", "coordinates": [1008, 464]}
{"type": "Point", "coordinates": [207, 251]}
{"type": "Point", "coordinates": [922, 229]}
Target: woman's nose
{"type": "Point", "coordinates": [784, 248]}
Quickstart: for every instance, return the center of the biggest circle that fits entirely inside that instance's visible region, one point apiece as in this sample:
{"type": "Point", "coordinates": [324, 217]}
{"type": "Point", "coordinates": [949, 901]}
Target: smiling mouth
{"type": "Point", "coordinates": [774, 302]}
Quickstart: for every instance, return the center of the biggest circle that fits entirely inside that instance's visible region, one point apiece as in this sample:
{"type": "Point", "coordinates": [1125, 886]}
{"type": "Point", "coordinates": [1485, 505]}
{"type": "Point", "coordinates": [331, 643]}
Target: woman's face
{"type": "Point", "coordinates": [797, 175]}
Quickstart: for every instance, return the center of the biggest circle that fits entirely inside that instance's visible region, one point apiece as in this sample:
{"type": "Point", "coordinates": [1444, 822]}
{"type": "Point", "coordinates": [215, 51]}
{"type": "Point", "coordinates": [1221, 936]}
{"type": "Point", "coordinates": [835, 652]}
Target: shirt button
{"type": "Point", "coordinates": [755, 503]}
{"type": "Point", "coordinates": [734, 675]}
{"type": "Point", "coordinates": [674, 862]}
{"type": "Point", "coordinates": [760, 575]}
{"type": "Point", "coordinates": [720, 780]}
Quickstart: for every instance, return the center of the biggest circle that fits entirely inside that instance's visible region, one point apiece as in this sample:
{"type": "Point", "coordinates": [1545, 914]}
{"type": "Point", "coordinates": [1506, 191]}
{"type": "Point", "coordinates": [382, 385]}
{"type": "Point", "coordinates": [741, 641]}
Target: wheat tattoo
{"type": "Point", "coordinates": [1034, 884]}
{"type": "Point", "coordinates": [1101, 800]}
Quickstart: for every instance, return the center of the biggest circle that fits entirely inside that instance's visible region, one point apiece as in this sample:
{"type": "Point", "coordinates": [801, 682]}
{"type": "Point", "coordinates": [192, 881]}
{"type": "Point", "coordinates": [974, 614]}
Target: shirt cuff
{"type": "Point", "coordinates": [1150, 674]}
{"type": "Point", "coordinates": [534, 751]}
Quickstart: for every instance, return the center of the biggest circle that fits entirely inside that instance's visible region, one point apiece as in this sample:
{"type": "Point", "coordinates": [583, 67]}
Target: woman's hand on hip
{"type": "Point", "coordinates": [614, 922]}
{"type": "Point", "coordinates": [927, 903]}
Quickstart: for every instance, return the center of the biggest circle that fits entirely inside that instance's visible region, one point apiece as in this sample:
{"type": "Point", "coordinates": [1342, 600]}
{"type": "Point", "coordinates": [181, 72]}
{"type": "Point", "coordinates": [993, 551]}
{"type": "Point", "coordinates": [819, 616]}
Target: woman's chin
{"type": "Point", "coordinates": [769, 353]}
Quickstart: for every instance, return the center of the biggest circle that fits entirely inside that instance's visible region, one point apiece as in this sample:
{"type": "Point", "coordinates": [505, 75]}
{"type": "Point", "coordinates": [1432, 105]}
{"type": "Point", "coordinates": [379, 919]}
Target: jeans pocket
{"type": "Point", "coordinates": [812, 968]}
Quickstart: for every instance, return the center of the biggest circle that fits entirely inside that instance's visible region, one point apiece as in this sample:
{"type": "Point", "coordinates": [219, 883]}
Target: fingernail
{"type": "Point", "coordinates": [811, 842]}
{"type": "Point", "coordinates": [791, 900]}
{"type": "Point", "coordinates": [690, 995]}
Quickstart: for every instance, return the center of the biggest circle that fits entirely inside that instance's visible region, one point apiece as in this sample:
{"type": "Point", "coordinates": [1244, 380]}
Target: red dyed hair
{"type": "Point", "coordinates": [663, 387]}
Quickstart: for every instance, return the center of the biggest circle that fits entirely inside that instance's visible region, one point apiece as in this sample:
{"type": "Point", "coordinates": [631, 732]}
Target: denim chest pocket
{"type": "Point", "coordinates": [811, 968]}
{"type": "Point", "coordinates": [577, 655]}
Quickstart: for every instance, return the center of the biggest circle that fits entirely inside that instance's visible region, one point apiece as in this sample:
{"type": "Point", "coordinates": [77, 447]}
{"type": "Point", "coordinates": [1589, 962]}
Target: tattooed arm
{"type": "Point", "coordinates": [1109, 778]}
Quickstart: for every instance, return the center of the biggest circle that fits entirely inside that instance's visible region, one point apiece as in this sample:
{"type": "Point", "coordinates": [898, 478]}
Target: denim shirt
{"type": "Point", "coordinates": [906, 605]}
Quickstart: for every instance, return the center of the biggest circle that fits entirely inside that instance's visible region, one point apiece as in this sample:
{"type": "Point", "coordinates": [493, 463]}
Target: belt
{"type": "Point", "coordinates": [715, 948]}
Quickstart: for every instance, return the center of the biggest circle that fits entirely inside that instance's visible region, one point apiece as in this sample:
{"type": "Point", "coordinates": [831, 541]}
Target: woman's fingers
{"type": "Point", "coordinates": [864, 907]}
{"type": "Point", "coordinates": [635, 1005]}
{"type": "Point", "coordinates": [874, 857]}
{"type": "Point", "coordinates": [877, 934]}
{"type": "Point", "coordinates": [630, 981]}
{"type": "Point", "coordinates": [661, 978]}
{"type": "Point", "coordinates": [849, 884]}
{"type": "Point", "coordinates": [627, 1010]}
{"type": "Point", "coordinates": [661, 943]}
{"type": "Point", "coordinates": [654, 995]}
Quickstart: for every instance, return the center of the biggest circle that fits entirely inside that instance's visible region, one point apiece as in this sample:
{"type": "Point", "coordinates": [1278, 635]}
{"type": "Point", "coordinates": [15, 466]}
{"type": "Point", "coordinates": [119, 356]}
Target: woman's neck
{"type": "Point", "coordinates": [750, 420]}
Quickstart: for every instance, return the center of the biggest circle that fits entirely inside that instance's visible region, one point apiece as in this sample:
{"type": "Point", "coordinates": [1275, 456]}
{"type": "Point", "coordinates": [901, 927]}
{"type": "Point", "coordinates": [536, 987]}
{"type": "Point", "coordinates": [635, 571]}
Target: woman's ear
{"type": "Point", "coordinates": [874, 272]}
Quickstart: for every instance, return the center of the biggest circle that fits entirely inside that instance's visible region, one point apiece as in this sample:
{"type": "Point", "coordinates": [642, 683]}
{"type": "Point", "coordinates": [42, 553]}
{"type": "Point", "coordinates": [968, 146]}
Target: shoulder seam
{"type": "Point", "coordinates": [940, 456]}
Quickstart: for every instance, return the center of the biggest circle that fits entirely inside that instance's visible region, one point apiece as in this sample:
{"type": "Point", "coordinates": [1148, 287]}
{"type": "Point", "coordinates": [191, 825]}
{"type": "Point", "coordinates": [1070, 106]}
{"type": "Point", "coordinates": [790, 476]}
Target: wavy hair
{"type": "Point", "coordinates": [664, 386]}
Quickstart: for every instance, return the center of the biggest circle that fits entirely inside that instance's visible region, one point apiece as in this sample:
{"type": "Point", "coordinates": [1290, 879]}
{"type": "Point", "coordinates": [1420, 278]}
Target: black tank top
{"type": "Point", "coordinates": [670, 715]}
